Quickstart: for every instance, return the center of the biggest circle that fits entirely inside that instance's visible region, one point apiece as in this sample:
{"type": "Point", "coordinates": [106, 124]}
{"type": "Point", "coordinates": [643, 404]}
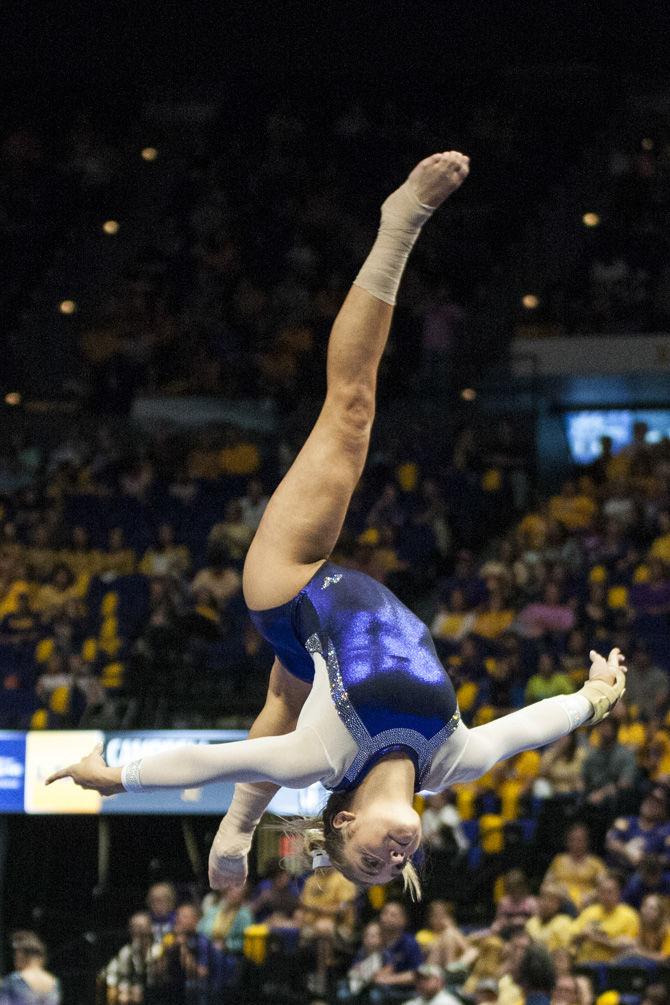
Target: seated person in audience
{"type": "Point", "coordinates": [328, 921]}
{"type": "Point", "coordinates": [21, 626]}
{"type": "Point", "coordinates": [548, 681]}
{"type": "Point", "coordinates": [448, 947]}
{"type": "Point", "coordinates": [546, 617]}
{"type": "Point", "coordinates": [232, 532]}
{"type": "Point", "coordinates": [550, 925]}
{"type": "Point", "coordinates": [576, 870]}
{"type": "Point", "coordinates": [188, 962]}
{"type": "Point", "coordinates": [221, 579]}
{"type": "Point", "coordinates": [607, 928]}
{"type": "Point", "coordinates": [54, 596]}
{"type": "Point", "coordinates": [649, 685]}
{"type": "Point", "coordinates": [574, 660]}
{"type": "Point", "coordinates": [79, 556]}
{"type": "Point", "coordinates": [535, 975]}
{"type": "Point", "coordinates": [488, 965]}
{"type": "Point", "coordinates": [561, 766]}
{"type": "Point", "coordinates": [453, 621]}
{"type": "Point", "coordinates": [234, 915]}
{"type": "Point", "coordinates": [515, 907]}
{"type": "Point", "coordinates": [30, 983]}
{"type": "Point", "coordinates": [401, 955]}
{"type": "Point", "coordinates": [165, 558]}
{"type": "Point", "coordinates": [117, 558]}
{"type": "Point", "coordinates": [56, 674]}
{"type": "Point", "coordinates": [653, 939]}
{"type": "Point", "coordinates": [130, 973]}
{"type": "Point", "coordinates": [652, 598]}
{"type": "Point", "coordinates": [253, 503]}
{"type": "Point", "coordinates": [609, 770]}
{"type": "Point", "coordinates": [430, 981]}
{"type": "Point", "coordinates": [367, 962]}
{"type": "Point", "coordinates": [570, 988]}
{"type": "Point", "coordinates": [277, 893]}
{"type": "Point", "coordinates": [649, 877]}
{"type": "Point", "coordinates": [494, 616]}
{"type": "Point", "coordinates": [629, 839]}
{"type": "Point", "coordinates": [162, 903]}
{"type": "Point", "coordinates": [442, 828]}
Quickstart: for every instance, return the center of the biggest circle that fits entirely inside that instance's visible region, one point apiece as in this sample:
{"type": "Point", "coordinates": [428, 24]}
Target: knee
{"type": "Point", "coordinates": [354, 407]}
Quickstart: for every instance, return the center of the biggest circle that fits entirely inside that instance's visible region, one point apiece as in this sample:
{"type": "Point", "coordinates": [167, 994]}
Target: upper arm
{"type": "Point", "coordinates": [286, 692]}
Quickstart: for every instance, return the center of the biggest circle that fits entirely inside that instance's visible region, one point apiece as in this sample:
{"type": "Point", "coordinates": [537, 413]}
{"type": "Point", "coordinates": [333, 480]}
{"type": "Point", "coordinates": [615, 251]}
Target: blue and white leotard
{"type": "Point", "coordinates": [386, 682]}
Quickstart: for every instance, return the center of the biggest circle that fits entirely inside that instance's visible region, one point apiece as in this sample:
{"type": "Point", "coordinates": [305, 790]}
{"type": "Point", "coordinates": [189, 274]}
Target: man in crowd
{"type": "Point", "coordinates": [401, 956]}
{"type": "Point", "coordinates": [603, 930]}
{"type": "Point", "coordinates": [130, 975]}
{"type": "Point", "coordinates": [430, 987]}
{"type": "Point", "coordinates": [550, 925]}
{"type": "Point", "coordinates": [629, 839]}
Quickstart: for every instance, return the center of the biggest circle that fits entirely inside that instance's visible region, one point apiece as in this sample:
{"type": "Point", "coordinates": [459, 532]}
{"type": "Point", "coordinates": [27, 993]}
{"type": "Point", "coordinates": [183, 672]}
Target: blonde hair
{"type": "Point", "coordinates": [317, 834]}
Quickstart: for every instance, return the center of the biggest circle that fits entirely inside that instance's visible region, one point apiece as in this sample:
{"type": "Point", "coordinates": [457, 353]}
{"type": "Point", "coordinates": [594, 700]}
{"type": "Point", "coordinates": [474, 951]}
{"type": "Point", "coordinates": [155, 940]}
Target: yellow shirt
{"type": "Point", "coordinates": [580, 879]}
{"type": "Point", "coordinates": [622, 921]}
{"type": "Point", "coordinates": [491, 624]}
{"type": "Point", "coordinates": [554, 934]}
{"type": "Point", "coordinates": [574, 512]}
{"type": "Point", "coordinates": [660, 548]}
{"type": "Point", "coordinates": [328, 891]}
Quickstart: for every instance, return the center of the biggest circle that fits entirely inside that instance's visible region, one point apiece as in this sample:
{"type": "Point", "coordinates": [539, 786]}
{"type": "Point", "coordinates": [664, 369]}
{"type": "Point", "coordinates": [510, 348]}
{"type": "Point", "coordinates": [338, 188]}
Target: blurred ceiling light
{"type": "Point", "coordinates": [530, 301]}
{"type": "Point", "coordinates": [591, 219]}
{"type": "Point", "coordinates": [67, 307]}
{"type": "Point", "coordinates": [647, 143]}
{"type": "Point", "coordinates": [111, 226]}
{"type": "Point", "coordinates": [149, 154]}
{"type": "Point", "coordinates": [468, 394]}
{"type": "Point", "coordinates": [12, 398]}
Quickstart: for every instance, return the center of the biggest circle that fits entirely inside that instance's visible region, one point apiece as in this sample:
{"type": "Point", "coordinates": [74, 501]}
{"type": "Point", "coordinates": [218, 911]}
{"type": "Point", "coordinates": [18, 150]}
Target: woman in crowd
{"type": "Point", "coordinates": [30, 983]}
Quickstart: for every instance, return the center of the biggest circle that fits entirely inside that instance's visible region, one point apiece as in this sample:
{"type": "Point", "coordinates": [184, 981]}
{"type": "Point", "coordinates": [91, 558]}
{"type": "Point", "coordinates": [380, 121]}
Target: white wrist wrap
{"type": "Point", "coordinates": [604, 696]}
{"type": "Point", "coordinates": [130, 777]}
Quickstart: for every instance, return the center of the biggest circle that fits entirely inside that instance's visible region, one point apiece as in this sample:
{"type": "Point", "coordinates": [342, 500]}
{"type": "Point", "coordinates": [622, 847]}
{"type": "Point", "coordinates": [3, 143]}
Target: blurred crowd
{"type": "Point", "coordinates": [235, 244]}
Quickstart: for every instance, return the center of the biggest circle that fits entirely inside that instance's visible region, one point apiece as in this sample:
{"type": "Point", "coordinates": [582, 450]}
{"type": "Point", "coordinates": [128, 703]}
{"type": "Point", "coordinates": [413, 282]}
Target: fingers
{"type": "Point", "coordinates": [63, 773]}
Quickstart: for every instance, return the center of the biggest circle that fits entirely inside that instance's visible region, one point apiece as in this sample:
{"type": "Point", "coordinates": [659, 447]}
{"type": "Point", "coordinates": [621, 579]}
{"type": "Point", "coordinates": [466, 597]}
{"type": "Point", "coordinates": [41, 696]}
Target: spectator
{"type": "Point", "coordinates": [655, 994]}
{"type": "Point", "coordinates": [276, 894]}
{"type": "Point", "coordinates": [56, 675]}
{"type": "Point", "coordinates": [631, 838]}
{"type": "Point", "coordinates": [609, 774]}
{"type": "Point", "coordinates": [226, 929]}
{"type": "Point", "coordinates": [401, 956]}
{"type": "Point", "coordinates": [573, 510]}
{"type": "Point", "coordinates": [233, 535]}
{"type": "Point", "coordinates": [649, 877]}
{"type": "Point", "coordinates": [548, 617]}
{"type": "Point", "coordinates": [453, 622]}
{"type": "Point", "coordinates": [165, 558]}
{"type": "Point", "coordinates": [188, 964]}
{"type": "Point", "coordinates": [430, 982]}
{"type": "Point", "coordinates": [550, 925]}
{"type": "Point", "coordinates": [548, 681]}
{"type": "Point", "coordinates": [328, 919]}
{"type": "Point", "coordinates": [515, 907]}
{"type": "Point", "coordinates": [648, 686]}
{"type": "Point", "coordinates": [131, 972]}
{"type": "Point", "coordinates": [605, 929]}
{"type": "Point", "coordinates": [571, 988]}
{"type": "Point", "coordinates": [117, 559]}
{"type": "Point", "coordinates": [252, 505]}
{"type": "Point", "coordinates": [29, 983]}
{"type": "Point", "coordinates": [652, 598]}
{"type": "Point", "coordinates": [653, 939]}
{"type": "Point", "coordinates": [448, 947]}
{"type": "Point", "coordinates": [576, 870]}
{"type": "Point", "coordinates": [21, 627]}
{"type": "Point", "coordinates": [162, 903]}
{"type": "Point", "coordinates": [536, 976]}
{"type": "Point", "coordinates": [221, 580]}
{"type": "Point", "coordinates": [561, 766]}
{"type": "Point", "coordinates": [367, 962]}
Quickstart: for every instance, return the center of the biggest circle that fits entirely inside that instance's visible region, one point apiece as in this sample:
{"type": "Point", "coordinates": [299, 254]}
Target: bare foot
{"type": "Point", "coordinates": [436, 177]}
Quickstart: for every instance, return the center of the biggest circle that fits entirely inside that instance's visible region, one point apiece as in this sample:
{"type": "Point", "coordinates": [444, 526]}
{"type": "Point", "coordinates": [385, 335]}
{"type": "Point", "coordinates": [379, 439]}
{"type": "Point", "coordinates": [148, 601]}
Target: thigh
{"type": "Point", "coordinates": [304, 517]}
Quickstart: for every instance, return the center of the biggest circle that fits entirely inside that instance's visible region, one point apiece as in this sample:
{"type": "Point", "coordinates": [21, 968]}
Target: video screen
{"type": "Point", "coordinates": [585, 428]}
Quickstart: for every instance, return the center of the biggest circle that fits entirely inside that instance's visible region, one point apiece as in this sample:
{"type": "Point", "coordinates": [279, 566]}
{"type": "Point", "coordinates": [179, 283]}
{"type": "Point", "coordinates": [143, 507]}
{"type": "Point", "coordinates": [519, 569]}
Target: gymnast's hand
{"type": "Point", "coordinates": [606, 683]}
{"type": "Point", "coordinates": [92, 773]}
{"type": "Point", "coordinates": [228, 867]}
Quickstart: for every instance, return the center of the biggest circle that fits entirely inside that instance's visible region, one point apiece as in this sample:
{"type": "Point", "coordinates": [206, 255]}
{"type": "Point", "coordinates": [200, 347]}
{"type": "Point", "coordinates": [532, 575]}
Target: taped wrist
{"type": "Point", "coordinates": [604, 696]}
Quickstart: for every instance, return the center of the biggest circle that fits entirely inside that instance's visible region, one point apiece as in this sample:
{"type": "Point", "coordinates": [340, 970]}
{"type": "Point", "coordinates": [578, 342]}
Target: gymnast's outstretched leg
{"type": "Point", "coordinates": [305, 515]}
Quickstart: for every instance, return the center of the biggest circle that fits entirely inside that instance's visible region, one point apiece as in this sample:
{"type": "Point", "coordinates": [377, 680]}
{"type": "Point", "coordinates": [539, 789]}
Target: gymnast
{"type": "Point", "coordinates": [357, 697]}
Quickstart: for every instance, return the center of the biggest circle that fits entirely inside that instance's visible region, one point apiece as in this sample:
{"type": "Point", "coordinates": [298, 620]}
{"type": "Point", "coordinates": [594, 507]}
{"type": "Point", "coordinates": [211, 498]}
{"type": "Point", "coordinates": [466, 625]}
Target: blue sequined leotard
{"type": "Point", "coordinates": [386, 681]}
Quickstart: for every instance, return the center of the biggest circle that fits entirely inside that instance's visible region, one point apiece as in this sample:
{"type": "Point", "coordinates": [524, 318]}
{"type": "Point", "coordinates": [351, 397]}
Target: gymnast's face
{"type": "Point", "coordinates": [379, 840]}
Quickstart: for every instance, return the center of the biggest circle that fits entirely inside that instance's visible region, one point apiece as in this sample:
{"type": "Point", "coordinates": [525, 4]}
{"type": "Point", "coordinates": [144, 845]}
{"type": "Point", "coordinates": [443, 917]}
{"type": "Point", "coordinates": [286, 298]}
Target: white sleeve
{"type": "Point", "coordinates": [294, 759]}
{"type": "Point", "coordinates": [470, 753]}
